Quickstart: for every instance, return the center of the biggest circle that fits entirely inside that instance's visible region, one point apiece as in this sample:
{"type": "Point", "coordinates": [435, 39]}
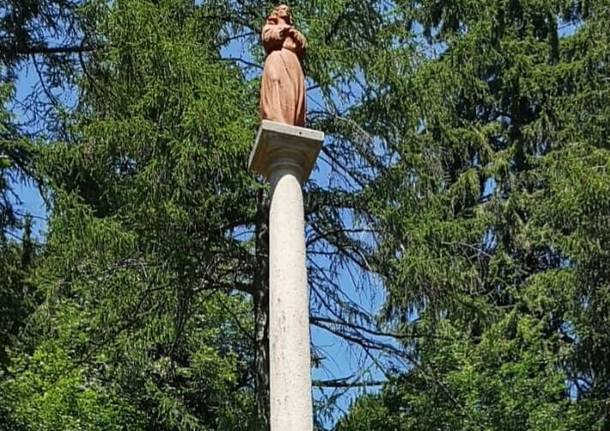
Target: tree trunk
{"type": "Point", "coordinates": [261, 310]}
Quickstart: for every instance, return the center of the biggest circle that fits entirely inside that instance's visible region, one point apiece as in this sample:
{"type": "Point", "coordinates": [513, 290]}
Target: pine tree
{"type": "Point", "coordinates": [495, 218]}
{"type": "Point", "coordinates": [465, 167]}
{"type": "Point", "coordinates": [151, 272]}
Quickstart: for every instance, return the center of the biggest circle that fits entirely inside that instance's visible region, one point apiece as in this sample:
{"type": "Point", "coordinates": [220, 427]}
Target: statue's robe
{"type": "Point", "coordinates": [283, 83]}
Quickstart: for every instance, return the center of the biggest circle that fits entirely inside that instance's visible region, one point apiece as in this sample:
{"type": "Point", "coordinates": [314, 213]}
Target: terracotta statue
{"type": "Point", "coordinates": [283, 84]}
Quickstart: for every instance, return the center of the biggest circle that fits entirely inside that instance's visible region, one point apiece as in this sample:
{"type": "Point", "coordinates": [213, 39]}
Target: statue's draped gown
{"type": "Point", "coordinates": [283, 83]}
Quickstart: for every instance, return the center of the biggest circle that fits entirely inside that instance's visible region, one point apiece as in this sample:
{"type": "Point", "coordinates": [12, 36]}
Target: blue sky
{"type": "Point", "coordinates": [30, 200]}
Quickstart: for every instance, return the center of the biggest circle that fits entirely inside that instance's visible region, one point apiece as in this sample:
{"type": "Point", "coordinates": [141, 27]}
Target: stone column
{"type": "Point", "coordinates": [285, 155]}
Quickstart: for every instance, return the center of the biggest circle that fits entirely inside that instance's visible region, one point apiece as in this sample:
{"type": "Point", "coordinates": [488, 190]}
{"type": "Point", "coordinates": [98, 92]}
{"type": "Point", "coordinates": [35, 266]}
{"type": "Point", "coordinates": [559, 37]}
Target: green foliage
{"type": "Point", "coordinates": [493, 231]}
{"type": "Point", "coordinates": [501, 381]}
{"type": "Point", "coordinates": [15, 299]}
{"type": "Point", "coordinates": [50, 393]}
{"type": "Point", "coordinates": [144, 190]}
{"type": "Point", "coordinates": [467, 166]}
{"type": "Point", "coordinates": [138, 304]}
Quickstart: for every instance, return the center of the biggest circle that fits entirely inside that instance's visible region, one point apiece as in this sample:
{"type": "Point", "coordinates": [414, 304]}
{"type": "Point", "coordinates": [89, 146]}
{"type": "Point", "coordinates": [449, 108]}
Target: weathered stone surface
{"type": "Point", "coordinates": [278, 143]}
{"type": "Point", "coordinates": [285, 155]}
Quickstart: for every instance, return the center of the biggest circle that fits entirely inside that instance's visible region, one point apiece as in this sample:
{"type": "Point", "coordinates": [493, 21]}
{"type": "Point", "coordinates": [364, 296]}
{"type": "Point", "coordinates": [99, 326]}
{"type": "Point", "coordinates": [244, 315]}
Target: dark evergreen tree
{"type": "Point", "coordinates": [151, 270]}
{"type": "Point", "coordinates": [495, 220]}
{"type": "Point", "coordinates": [466, 167]}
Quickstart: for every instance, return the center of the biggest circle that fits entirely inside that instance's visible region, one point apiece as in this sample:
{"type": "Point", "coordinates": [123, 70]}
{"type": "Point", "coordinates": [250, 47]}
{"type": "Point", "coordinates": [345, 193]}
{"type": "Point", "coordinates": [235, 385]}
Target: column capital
{"type": "Point", "coordinates": [282, 146]}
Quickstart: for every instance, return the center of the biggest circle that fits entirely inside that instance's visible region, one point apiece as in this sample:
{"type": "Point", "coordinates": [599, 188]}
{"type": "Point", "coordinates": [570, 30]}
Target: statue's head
{"type": "Point", "coordinates": [283, 12]}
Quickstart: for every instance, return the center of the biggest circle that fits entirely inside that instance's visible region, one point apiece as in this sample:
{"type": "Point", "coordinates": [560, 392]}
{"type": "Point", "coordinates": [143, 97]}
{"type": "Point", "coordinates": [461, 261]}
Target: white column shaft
{"type": "Point", "coordinates": [290, 372]}
{"type": "Point", "coordinates": [285, 156]}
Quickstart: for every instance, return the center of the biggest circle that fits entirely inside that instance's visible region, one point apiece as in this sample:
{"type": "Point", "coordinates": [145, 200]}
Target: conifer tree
{"type": "Point", "coordinates": [495, 220]}
{"type": "Point", "coordinates": [465, 173]}
{"type": "Point", "coordinates": [151, 272]}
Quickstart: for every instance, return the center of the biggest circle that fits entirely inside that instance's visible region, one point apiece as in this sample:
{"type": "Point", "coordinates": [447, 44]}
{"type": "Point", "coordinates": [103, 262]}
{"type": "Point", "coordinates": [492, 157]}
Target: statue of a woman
{"type": "Point", "coordinates": [283, 84]}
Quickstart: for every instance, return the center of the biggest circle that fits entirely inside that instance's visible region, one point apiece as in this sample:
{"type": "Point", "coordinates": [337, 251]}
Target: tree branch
{"type": "Point", "coordinates": [52, 50]}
